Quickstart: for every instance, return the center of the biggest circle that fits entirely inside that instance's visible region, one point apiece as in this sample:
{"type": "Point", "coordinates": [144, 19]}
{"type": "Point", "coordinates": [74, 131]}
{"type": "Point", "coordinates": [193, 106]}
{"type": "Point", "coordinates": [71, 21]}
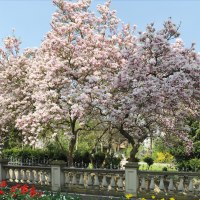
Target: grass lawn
{"type": "Point", "coordinates": [157, 166]}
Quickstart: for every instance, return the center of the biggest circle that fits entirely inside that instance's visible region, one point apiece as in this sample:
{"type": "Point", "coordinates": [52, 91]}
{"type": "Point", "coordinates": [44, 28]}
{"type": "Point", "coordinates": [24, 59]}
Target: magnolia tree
{"type": "Point", "coordinates": [79, 54]}
{"type": "Point", "coordinates": [89, 69]}
{"type": "Point", "coordinates": [15, 93]}
{"type": "Point", "coordinates": [157, 90]}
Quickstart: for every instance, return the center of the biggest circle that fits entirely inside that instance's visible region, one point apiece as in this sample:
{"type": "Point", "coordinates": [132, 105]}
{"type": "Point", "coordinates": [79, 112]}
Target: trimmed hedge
{"type": "Point", "coordinates": [80, 158]}
{"type": "Point", "coordinates": [112, 161]}
{"type": "Point", "coordinates": [36, 154]}
{"type": "Point", "coordinates": [189, 165]}
{"type": "Point", "coordinates": [98, 159]}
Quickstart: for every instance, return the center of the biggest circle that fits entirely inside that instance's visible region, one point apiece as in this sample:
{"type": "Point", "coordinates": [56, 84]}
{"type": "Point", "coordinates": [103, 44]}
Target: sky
{"type": "Point", "coordinates": [31, 18]}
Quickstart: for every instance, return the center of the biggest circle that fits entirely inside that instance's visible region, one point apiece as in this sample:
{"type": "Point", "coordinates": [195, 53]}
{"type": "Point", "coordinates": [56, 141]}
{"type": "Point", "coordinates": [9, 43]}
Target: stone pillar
{"type": "Point", "coordinates": [2, 169]}
{"type": "Point", "coordinates": [57, 177]}
{"type": "Point", "coordinates": [131, 178]}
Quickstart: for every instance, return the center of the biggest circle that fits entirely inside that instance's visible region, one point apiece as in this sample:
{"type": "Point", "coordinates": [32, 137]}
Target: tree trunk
{"type": "Point", "coordinates": [71, 151]}
{"type": "Point", "coordinates": [135, 147]}
{"type": "Point", "coordinates": [133, 152]}
{"type": "Point", "coordinates": [72, 142]}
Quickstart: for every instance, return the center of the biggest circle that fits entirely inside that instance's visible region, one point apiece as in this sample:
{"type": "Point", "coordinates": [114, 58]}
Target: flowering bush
{"type": "Point", "coordinates": [25, 192]}
{"type": "Point", "coordinates": [18, 192]}
{"type": "Point", "coordinates": [130, 196]}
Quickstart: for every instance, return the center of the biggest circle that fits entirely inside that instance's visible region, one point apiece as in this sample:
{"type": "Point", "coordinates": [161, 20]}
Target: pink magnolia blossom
{"type": "Point", "coordinates": [157, 90]}
{"type": "Point", "coordinates": [65, 74]}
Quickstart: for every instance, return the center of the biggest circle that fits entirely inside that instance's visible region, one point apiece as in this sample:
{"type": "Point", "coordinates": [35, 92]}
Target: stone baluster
{"type": "Point", "coordinates": [46, 174]}
{"type": "Point", "coordinates": [28, 175]}
{"type": "Point", "coordinates": [143, 184]}
{"type": "Point", "coordinates": [198, 190]}
{"type": "Point", "coordinates": [36, 177]}
{"type": "Point", "coordinates": [7, 174]}
{"type": "Point", "coordinates": [161, 184]}
{"type": "Point", "coordinates": [18, 175]}
{"type": "Point", "coordinates": [74, 179]}
{"type": "Point", "coordinates": [171, 185]}
{"type": "Point", "coordinates": [152, 183]}
{"type": "Point", "coordinates": [12, 175]}
{"type": "Point", "coordinates": [48, 178]}
{"type": "Point", "coordinates": [180, 185]}
{"type": "Point", "coordinates": [120, 183]}
{"type": "Point", "coordinates": [96, 181]}
{"type": "Point", "coordinates": [24, 176]}
{"type": "Point", "coordinates": [112, 182]}
{"type": "Point", "coordinates": [148, 181]}
{"type": "Point", "coordinates": [89, 180]}
{"type": "Point", "coordinates": [191, 186]}
{"type": "Point", "coordinates": [104, 183]}
{"type": "Point", "coordinates": [31, 176]}
{"type": "Point", "coordinates": [42, 178]}
{"type": "Point", "coordinates": [81, 180]}
{"type": "Point", "coordinates": [15, 175]}
{"type": "Point", "coordinates": [67, 179]}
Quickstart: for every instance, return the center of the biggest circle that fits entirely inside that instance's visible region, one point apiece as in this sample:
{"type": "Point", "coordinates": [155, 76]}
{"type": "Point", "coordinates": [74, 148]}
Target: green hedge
{"type": "Point", "coordinates": [81, 158]}
{"type": "Point", "coordinates": [98, 159]}
{"type": "Point", "coordinates": [189, 165]}
{"type": "Point", "coordinates": [112, 161]}
{"type": "Point", "coordinates": [37, 154]}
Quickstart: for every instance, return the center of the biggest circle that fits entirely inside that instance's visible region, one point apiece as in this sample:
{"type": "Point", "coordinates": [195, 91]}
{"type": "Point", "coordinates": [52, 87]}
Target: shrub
{"type": "Point", "coordinates": [164, 157]}
{"type": "Point", "coordinates": [41, 155]}
{"type": "Point", "coordinates": [164, 169]}
{"type": "Point", "coordinates": [189, 165]}
{"type": "Point", "coordinates": [86, 157]}
{"type": "Point", "coordinates": [56, 153]}
{"type": "Point", "coordinates": [149, 161]}
{"type": "Point", "coordinates": [184, 160]}
{"type": "Point", "coordinates": [81, 158]}
{"type": "Point", "coordinates": [195, 164]}
{"type": "Point", "coordinates": [98, 159]}
{"type": "Point", "coordinates": [77, 157]}
{"type": "Point", "coordinates": [112, 161]}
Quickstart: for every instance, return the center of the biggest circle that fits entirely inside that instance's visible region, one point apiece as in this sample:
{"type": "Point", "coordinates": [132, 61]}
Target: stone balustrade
{"type": "Point", "coordinates": [169, 183]}
{"type": "Point", "coordinates": [94, 181]}
{"type": "Point", "coordinates": [39, 176]}
{"type": "Point", "coordinates": [108, 182]}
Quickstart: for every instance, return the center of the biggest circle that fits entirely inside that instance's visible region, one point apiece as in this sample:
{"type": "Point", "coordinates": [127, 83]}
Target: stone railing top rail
{"type": "Point", "coordinates": [168, 173]}
{"type": "Point", "coordinates": [102, 171]}
{"type": "Point", "coordinates": [27, 167]}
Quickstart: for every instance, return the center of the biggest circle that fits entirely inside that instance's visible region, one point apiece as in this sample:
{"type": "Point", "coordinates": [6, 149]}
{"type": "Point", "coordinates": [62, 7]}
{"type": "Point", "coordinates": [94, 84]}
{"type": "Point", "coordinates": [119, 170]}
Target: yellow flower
{"type": "Point", "coordinates": [172, 198]}
{"type": "Point", "coordinates": [128, 196]}
{"type": "Point", "coordinates": [153, 197]}
{"type": "Point", "coordinates": [143, 199]}
{"type": "Point", "coordinates": [163, 199]}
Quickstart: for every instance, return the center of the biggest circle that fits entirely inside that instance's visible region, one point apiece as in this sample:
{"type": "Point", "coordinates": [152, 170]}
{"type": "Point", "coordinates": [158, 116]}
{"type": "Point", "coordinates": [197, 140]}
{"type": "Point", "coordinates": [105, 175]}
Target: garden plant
{"type": "Point", "coordinates": [26, 192]}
